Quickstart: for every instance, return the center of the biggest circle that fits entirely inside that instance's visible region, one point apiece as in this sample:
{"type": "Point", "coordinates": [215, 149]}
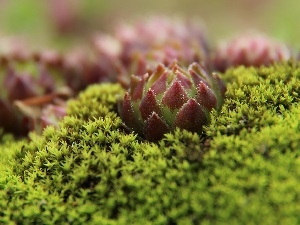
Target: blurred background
{"type": "Point", "coordinates": [66, 23]}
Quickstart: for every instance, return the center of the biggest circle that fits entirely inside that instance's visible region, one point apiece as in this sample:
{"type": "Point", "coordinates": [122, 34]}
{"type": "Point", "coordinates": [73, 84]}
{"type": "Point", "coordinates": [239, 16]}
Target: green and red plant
{"type": "Point", "coordinates": [137, 48]}
{"type": "Point", "coordinates": [250, 49]}
{"type": "Point", "coordinates": [171, 97]}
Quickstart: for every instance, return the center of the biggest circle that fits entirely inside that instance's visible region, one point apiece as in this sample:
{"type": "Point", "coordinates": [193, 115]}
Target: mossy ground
{"type": "Point", "coordinates": [244, 169]}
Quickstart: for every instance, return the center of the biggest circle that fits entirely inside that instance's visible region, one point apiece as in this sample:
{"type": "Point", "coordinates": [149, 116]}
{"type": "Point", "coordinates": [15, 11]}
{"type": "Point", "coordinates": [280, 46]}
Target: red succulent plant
{"type": "Point", "coordinates": [249, 49]}
{"type": "Point", "coordinates": [171, 97]}
{"type": "Point", "coordinates": [138, 48]}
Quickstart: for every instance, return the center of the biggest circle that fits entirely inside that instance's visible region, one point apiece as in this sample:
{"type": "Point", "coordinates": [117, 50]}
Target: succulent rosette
{"type": "Point", "coordinates": [171, 97]}
{"type": "Point", "coordinates": [33, 80]}
{"type": "Point", "coordinates": [250, 49]}
{"type": "Point", "coordinates": [77, 68]}
{"type": "Point", "coordinates": [28, 84]}
{"type": "Point", "coordinates": [161, 32]}
{"type": "Point", "coordinates": [137, 48]}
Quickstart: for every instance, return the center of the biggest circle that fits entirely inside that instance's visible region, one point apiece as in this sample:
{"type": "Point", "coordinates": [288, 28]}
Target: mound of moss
{"type": "Point", "coordinates": [244, 169]}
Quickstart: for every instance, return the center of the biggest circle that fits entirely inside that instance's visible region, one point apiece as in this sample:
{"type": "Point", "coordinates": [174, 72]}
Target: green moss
{"type": "Point", "coordinates": [256, 97]}
{"type": "Point", "coordinates": [245, 168]}
{"type": "Point", "coordinates": [97, 101]}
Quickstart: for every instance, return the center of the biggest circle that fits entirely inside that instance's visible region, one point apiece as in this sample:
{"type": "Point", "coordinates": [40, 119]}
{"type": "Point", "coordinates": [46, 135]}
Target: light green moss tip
{"type": "Point", "coordinates": [245, 168]}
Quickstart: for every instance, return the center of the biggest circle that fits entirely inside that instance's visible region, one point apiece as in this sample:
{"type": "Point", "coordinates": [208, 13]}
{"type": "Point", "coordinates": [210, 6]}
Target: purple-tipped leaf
{"type": "Point", "coordinates": [160, 85]}
{"type": "Point", "coordinates": [149, 105]}
{"type": "Point", "coordinates": [221, 84]}
{"type": "Point", "coordinates": [155, 128]}
{"type": "Point", "coordinates": [128, 115]}
{"type": "Point", "coordinates": [206, 97]}
{"type": "Point", "coordinates": [196, 78]}
{"type": "Point", "coordinates": [191, 117]}
{"type": "Point", "coordinates": [175, 96]}
{"type": "Point", "coordinates": [184, 81]}
{"type": "Point", "coordinates": [137, 91]}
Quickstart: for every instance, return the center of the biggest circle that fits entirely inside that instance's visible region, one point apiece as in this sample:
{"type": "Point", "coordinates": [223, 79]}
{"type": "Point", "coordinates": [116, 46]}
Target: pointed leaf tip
{"type": "Point", "coordinates": [175, 96]}
{"type": "Point", "coordinates": [199, 69]}
{"type": "Point", "coordinates": [221, 84]}
{"type": "Point", "coordinates": [160, 85]}
{"type": "Point", "coordinates": [127, 112]}
{"type": "Point", "coordinates": [160, 69]}
{"type": "Point", "coordinates": [175, 67]}
{"type": "Point", "coordinates": [149, 105]}
{"type": "Point", "coordinates": [191, 117]}
{"type": "Point", "coordinates": [185, 82]}
{"type": "Point", "coordinates": [206, 97]}
{"type": "Point", "coordinates": [196, 78]}
{"type": "Point", "coordinates": [155, 128]}
{"type": "Point", "coordinates": [137, 88]}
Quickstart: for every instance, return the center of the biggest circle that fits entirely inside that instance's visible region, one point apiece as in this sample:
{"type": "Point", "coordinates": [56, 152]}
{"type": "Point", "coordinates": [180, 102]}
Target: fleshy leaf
{"type": "Point", "coordinates": [155, 128]}
{"type": "Point", "coordinates": [160, 84]}
{"type": "Point", "coordinates": [7, 116]}
{"type": "Point", "coordinates": [200, 69]}
{"type": "Point", "coordinates": [191, 117]}
{"type": "Point", "coordinates": [138, 89]}
{"type": "Point", "coordinates": [250, 49]}
{"type": "Point", "coordinates": [185, 82]}
{"type": "Point", "coordinates": [158, 72]}
{"type": "Point", "coordinates": [52, 114]}
{"type": "Point", "coordinates": [149, 105]}
{"type": "Point", "coordinates": [127, 112]}
{"type": "Point", "coordinates": [197, 78]}
{"type": "Point", "coordinates": [175, 96]}
{"type": "Point", "coordinates": [206, 97]}
{"type": "Point", "coordinates": [220, 83]}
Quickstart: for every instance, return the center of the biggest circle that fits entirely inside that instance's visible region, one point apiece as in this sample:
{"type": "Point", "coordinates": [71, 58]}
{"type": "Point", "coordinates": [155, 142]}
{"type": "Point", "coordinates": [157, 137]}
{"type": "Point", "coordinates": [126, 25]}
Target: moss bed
{"type": "Point", "coordinates": [244, 169]}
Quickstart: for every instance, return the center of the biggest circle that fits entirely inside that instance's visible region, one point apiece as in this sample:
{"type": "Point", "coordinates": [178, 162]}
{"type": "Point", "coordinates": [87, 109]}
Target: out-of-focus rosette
{"type": "Point", "coordinates": [138, 47]}
{"type": "Point", "coordinates": [250, 49]}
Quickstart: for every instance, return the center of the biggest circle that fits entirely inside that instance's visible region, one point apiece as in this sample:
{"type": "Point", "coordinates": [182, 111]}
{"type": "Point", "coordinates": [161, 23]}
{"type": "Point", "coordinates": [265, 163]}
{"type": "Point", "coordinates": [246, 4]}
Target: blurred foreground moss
{"type": "Point", "coordinates": [245, 169]}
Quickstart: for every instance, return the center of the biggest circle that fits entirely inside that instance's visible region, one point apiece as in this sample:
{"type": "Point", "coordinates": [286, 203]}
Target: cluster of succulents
{"type": "Point", "coordinates": [138, 48]}
{"type": "Point", "coordinates": [141, 148]}
{"type": "Point", "coordinates": [27, 87]}
{"type": "Point", "coordinates": [167, 66]}
{"type": "Point", "coordinates": [88, 171]}
{"type": "Point", "coordinates": [36, 84]}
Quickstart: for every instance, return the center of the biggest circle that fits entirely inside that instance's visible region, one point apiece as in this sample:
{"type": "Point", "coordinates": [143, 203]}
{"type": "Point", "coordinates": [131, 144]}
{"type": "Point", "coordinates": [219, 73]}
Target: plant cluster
{"type": "Point", "coordinates": [250, 49]}
{"type": "Point", "coordinates": [214, 154]}
{"type": "Point", "coordinates": [36, 85]}
{"type": "Point", "coordinates": [88, 170]}
{"type": "Point", "coordinates": [138, 48]}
